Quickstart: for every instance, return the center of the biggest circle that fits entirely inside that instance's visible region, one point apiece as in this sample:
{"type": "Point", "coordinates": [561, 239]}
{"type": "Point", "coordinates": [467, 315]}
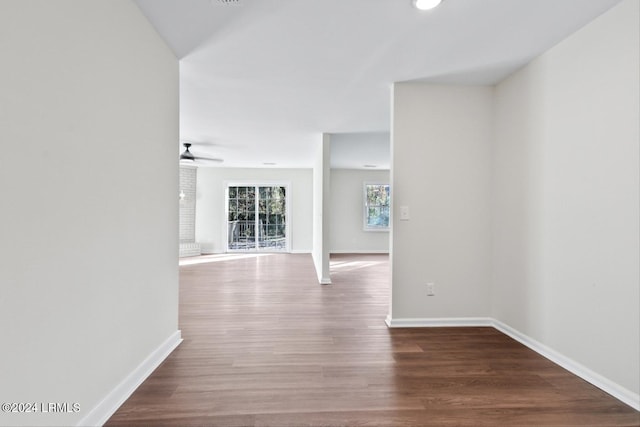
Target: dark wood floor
{"type": "Point", "coordinates": [265, 345]}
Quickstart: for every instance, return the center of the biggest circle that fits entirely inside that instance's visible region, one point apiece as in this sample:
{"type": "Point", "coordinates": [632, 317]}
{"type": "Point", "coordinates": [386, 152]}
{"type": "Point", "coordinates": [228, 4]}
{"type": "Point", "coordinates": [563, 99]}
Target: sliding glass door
{"type": "Point", "coordinates": [257, 218]}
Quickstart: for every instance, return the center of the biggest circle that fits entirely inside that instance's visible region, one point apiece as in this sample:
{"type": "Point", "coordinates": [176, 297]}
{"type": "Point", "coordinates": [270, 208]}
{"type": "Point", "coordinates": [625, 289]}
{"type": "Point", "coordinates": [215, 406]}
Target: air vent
{"type": "Point", "coordinates": [227, 1]}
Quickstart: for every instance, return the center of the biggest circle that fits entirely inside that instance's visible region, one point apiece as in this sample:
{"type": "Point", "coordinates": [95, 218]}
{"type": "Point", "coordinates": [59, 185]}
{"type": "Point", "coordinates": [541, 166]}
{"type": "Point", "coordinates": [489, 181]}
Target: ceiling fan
{"type": "Point", "coordinates": [188, 157]}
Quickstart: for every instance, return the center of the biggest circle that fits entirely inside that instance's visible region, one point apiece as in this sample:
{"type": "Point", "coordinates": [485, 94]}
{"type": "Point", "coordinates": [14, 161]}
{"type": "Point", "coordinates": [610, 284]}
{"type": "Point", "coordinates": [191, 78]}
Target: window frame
{"type": "Point", "coordinates": [365, 207]}
{"type": "Point", "coordinates": [257, 185]}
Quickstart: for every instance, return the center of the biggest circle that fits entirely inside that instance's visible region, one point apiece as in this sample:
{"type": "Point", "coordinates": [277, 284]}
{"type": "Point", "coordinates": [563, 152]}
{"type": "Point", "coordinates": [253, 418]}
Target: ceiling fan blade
{"type": "Point", "coordinates": [208, 159]}
{"type": "Point", "coordinates": [188, 157]}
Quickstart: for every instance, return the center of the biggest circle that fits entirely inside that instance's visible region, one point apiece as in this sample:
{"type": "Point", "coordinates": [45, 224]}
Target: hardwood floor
{"type": "Point", "coordinates": [265, 345]}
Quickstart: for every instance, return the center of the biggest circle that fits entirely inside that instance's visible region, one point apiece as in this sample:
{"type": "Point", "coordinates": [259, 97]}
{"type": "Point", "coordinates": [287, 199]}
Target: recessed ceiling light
{"type": "Point", "coordinates": [426, 4]}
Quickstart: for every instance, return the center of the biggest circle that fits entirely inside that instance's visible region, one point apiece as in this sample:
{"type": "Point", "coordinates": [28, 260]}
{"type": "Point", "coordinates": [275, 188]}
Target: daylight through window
{"type": "Point", "coordinates": [377, 199]}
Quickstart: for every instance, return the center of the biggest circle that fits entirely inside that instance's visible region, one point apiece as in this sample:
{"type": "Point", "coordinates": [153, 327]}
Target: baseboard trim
{"type": "Point", "coordinates": [360, 252]}
{"type": "Point", "coordinates": [616, 390]}
{"type": "Point", "coordinates": [300, 251]}
{"type": "Point", "coordinates": [437, 322]}
{"type": "Point", "coordinates": [621, 393]}
{"type": "Point", "coordinates": [101, 413]}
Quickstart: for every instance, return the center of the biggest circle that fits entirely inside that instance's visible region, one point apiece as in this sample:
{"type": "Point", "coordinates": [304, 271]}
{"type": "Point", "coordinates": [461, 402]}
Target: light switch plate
{"type": "Point", "coordinates": [404, 213]}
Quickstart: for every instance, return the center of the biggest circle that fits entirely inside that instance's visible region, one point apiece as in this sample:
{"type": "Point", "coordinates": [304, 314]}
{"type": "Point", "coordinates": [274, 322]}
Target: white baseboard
{"type": "Point", "coordinates": [300, 251]}
{"type": "Point", "coordinates": [437, 322]}
{"type": "Point", "coordinates": [101, 413]}
{"type": "Point", "coordinates": [360, 251]}
{"type": "Point", "coordinates": [616, 390]}
{"type": "Point", "coordinates": [622, 394]}
{"type": "Point", "coordinates": [325, 281]}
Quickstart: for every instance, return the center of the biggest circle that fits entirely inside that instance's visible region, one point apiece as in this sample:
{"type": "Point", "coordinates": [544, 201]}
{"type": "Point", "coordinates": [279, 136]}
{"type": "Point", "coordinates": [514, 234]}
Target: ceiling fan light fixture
{"type": "Point", "coordinates": [426, 4]}
{"type": "Point", "coordinates": [186, 155]}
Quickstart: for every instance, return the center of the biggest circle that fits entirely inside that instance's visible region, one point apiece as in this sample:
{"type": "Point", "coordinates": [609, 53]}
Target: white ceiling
{"type": "Point", "coordinates": [261, 80]}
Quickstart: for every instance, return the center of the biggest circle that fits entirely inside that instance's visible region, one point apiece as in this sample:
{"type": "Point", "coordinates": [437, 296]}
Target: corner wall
{"type": "Point", "coordinates": [441, 171]}
{"type": "Point", "coordinates": [321, 211]}
{"type": "Point", "coordinates": [89, 232]}
{"type": "Point", "coordinates": [566, 199]}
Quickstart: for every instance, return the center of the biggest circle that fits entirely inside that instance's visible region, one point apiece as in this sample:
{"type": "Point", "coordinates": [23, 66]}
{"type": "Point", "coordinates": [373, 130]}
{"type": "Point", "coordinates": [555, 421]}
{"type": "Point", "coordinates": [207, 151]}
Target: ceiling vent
{"type": "Point", "coordinates": [226, 1]}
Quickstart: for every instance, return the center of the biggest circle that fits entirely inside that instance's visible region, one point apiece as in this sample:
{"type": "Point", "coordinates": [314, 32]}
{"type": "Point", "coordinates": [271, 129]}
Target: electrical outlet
{"type": "Point", "coordinates": [431, 289]}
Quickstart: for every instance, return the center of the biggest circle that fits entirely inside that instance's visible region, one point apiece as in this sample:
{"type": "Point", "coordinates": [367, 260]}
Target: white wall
{"type": "Point", "coordinates": [441, 170]}
{"type": "Point", "coordinates": [321, 211]}
{"type": "Point", "coordinates": [355, 149]}
{"type": "Point", "coordinates": [210, 204]}
{"type": "Point", "coordinates": [89, 181]}
{"type": "Point", "coordinates": [347, 210]}
{"type": "Point", "coordinates": [566, 198]}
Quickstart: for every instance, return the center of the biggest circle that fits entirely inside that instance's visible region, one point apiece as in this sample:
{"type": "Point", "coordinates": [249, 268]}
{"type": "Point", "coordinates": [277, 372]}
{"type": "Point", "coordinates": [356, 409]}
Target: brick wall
{"type": "Point", "coordinates": [188, 245]}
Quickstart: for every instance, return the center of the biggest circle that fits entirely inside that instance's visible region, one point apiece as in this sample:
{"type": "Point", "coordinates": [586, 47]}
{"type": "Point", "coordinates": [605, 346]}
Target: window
{"type": "Point", "coordinates": [256, 217]}
{"type": "Point", "coordinates": [376, 207]}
